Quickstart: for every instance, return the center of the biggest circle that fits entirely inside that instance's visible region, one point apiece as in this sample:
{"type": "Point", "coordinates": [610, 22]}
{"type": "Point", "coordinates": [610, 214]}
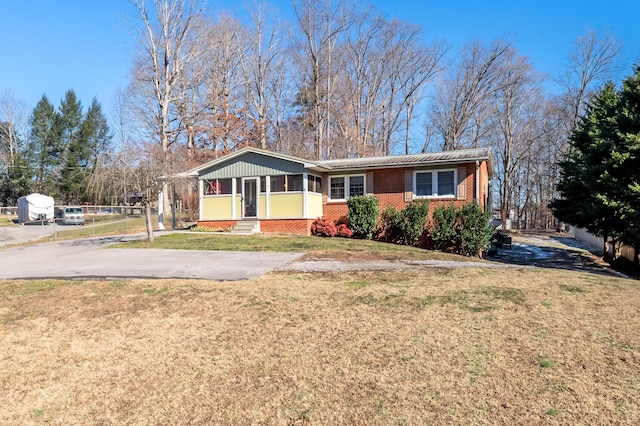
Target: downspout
{"type": "Point", "coordinates": [478, 182]}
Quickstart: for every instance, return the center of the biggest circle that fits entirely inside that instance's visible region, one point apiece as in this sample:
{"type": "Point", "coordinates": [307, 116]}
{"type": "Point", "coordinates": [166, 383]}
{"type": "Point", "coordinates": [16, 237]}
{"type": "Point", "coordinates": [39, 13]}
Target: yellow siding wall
{"type": "Point", "coordinates": [238, 206]}
{"type": "Point", "coordinates": [314, 205]}
{"type": "Point", "coordinates": [218, 207]}
{"type": "Point", "coordinates": [286, 206]}
{"type": "Point", "coordinates": [262, 206]}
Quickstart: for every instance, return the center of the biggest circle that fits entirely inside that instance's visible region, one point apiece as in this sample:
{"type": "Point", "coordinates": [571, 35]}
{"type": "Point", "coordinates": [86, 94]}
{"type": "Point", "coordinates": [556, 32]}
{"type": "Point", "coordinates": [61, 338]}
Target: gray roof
{"type": "Point", "coordinates": [446, 157]}
{"type": "Point", "coordinates": [431, 158]}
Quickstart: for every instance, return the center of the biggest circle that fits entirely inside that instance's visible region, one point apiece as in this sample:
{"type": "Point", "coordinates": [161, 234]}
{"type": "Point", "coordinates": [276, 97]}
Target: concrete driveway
{"type": "Point", "coordinates": [91, 258]}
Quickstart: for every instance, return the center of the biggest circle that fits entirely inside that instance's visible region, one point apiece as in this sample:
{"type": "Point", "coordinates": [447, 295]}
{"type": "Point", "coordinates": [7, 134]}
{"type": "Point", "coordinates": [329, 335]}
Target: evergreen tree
{"type": "Point", "coordinates": [45, 148]}
{"type": "Point", "coordinates": [627, 156]}
{"type": "Point", "coordinates": [600, 182]}
{"type": "Point", "coordinates": [74, 175]}
{"type": "Point", "coordinates": [85, 137]}
{"type": "Point", "coordinates": [95, 133]}
{"type": "Point", "coordinates": [586, 184]}
{"type": "Point", "coordinates": [15, 180]}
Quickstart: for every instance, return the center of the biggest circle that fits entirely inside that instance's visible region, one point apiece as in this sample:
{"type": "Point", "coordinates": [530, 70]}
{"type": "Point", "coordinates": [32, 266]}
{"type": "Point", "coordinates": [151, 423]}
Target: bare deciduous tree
{"type": "Point", "coordinates": [594, 59]}
{"type": "Point", "coordinates": [13, 126]}
{"type": "Point", "coordinates": [321, 26]}
{"type": "Point", "coordinates": [461, 98]}
{"type": "Point", "coordinates": [165, 39]}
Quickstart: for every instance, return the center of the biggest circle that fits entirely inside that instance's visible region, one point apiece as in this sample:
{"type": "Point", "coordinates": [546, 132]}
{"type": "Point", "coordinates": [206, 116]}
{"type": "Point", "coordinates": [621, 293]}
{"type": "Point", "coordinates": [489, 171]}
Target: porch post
{"type": "Point", "coordinates": [201, 198]}
{"type": "Point", "coordinates": [233, 197]}
{"type": "Point", "coordinates": [267, 196]}
{"type": "Point", "coordinates": [305, 194]}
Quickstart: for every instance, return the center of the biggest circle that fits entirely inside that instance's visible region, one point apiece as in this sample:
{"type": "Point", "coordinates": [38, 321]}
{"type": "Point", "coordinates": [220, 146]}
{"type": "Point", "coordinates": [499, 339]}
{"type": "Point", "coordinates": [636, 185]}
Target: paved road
{"type": "Point", "coordinates": [91, 258]}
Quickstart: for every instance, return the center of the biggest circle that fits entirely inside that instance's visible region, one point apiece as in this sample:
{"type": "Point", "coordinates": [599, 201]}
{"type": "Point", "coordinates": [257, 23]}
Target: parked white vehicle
{"type": "Point", "coordinates": [73, 216]}
{"type": "Point", "coordinates": [35, 207]}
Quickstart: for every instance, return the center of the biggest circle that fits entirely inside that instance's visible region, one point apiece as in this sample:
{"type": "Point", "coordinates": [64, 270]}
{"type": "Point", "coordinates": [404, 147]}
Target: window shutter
{"type": "Point", "coordinates": [462, 183]}
{"type": "Point", "coordinates": [369, 189]}
{"type": "Point", "coordinates": [408, 185]}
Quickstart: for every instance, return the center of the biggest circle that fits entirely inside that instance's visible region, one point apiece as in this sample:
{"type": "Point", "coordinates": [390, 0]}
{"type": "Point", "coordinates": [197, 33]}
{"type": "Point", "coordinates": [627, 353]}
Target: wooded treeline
{"type": "Point", "coordinates": [55, 152]}
{"type": "Point", "coordinates": [341, 79]}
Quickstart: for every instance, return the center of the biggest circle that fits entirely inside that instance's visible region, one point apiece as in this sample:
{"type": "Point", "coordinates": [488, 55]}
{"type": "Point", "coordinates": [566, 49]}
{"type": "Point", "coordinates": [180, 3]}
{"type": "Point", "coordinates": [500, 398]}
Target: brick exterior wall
{"type": "Point", "coordinates": [388, 187]}
{"type": "Point", "coordinates": [267, 226]}
{"type": "Point", "coordinates": [222, 224]}
{"type": "Point", "coordinates": [286, 226]}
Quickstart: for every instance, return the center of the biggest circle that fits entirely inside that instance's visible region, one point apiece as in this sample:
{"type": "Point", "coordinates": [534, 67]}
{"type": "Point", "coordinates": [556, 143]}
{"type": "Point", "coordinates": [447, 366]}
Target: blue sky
{"type": "Point", "coordinates": [85, 45]}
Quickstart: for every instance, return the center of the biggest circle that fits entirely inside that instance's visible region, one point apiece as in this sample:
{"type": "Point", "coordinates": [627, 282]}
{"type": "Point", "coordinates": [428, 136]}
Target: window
{"type": "Point", "coordinates": [218, 186]}
{"type": "Point", "coordinates": [356, 186]}
{"type": "Point", "coordinates": [446, 183]}
{"type": "Point", "coordinates": [315, 184]}
{"type": "Point", "coordinates": [287, 183]}
{"type": "Point", "coordinates": [441, 183]}
{"type": "Point", "coordinates": [343, 187]}
{"type": "Point", "coordinates": [278, 184]}
{"type": "Point", "coordinates": [263, 185]}
{"type": "Point", "coordinates": [337, 188]}
{"type": "Point", "coordinates": [295, 182]}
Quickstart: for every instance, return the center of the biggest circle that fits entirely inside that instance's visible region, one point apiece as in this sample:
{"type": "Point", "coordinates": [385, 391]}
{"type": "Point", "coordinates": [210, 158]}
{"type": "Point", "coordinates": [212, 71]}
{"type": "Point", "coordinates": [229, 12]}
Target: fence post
{"type": "Point", "coordinates": [55, 230]}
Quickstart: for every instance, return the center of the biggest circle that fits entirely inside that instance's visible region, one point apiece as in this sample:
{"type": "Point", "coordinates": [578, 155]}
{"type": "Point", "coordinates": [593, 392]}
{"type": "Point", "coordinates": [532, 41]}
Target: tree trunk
{"type": "Point", "coordinates": [147, 215]}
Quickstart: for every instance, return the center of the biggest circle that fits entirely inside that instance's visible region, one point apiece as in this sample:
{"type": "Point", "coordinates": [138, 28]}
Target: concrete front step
{"type": "Point", "coordinates": [246, 227]}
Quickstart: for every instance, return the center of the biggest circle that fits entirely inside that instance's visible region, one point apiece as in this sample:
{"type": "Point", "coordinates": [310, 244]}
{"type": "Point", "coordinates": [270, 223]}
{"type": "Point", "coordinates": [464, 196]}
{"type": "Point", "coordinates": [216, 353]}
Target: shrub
{"type": "Point", "coordinates": [323, 228]}
{"type": "Point", "coordinates": [390, 227]}
{"type": "Point", "coordinates": [363, 215]}
{"type": "Point", "coordinates": [412, 221]}
{"type": "Point", "coordinates": [343, 231]}
{"type": "Point", "coordinates": [475, 230]}
{"type": "Point", "coordinates": [405, 226]}
{"type": "Point", "coordinates": [444, 230]}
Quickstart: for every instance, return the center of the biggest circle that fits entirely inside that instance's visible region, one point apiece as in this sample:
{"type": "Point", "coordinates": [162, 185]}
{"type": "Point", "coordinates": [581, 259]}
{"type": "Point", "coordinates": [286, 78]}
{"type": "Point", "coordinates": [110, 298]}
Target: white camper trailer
{"type": "Point", "coordinates": [34, 207]}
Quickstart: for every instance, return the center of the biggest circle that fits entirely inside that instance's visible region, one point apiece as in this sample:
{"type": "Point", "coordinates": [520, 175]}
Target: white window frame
{"type": "Point", "coordinates": [434, 184]}
{"type": "Point", "coordinates": [347, 186]}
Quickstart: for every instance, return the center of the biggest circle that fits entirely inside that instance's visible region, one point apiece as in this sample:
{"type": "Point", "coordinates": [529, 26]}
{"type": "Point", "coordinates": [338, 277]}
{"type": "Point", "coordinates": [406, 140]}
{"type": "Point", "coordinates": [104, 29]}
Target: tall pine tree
{"type": "Point", "coordinates": [74, 173]}
{"type": "Point", "coordinates": [627, 155]}
{"type": "Point", "coordinates": [45, 147]}
{"type": "Point", "coordinates": [600, 182]}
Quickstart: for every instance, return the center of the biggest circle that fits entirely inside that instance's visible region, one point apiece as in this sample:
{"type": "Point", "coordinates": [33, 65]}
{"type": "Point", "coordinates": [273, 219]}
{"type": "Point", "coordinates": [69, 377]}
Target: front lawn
{"type": "Point", "coordinates": [341, 248]}
{"type": "Point", "coordinates": [455, 346]}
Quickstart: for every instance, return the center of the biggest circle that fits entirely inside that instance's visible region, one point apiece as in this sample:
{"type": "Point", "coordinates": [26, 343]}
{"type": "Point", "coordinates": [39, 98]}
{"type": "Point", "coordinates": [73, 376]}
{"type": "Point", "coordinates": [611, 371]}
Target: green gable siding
{"type": "Point", "coordinates": [252, 164]}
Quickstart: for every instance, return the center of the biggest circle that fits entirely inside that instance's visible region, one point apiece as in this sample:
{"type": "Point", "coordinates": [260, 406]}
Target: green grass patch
{"type": "Point", "coordinates": [545, 363]}
{"type": "Point", "coordinates": [352, 249]}
{"type": "Point", "coordinates": [551, 412]}
{"type": "Point", "coordinates": [100, 226]}
{"type": "Point", "coordinates": [513, 295]}
{"type": "Point", "coordinates": [570, 288]}
{"type": "Point", "coordinates": [24, 287]}
{"type": "Point", "coordinates": [7, 221]}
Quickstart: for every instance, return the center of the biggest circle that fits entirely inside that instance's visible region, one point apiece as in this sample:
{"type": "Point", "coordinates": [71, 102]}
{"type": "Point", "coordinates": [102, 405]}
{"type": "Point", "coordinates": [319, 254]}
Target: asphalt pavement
{"type": "Point", "coordinates": [93, 258]}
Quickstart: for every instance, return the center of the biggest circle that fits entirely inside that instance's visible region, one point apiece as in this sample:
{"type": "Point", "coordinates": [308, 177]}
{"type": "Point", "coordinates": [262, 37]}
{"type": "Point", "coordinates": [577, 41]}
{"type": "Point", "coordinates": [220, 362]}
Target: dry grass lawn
{"type": "Point", "coordinates": [467, 346]}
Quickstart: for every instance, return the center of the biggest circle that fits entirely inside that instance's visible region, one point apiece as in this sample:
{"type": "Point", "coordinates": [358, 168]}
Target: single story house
{"type": "Point", "coordinates": [278, 193]}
